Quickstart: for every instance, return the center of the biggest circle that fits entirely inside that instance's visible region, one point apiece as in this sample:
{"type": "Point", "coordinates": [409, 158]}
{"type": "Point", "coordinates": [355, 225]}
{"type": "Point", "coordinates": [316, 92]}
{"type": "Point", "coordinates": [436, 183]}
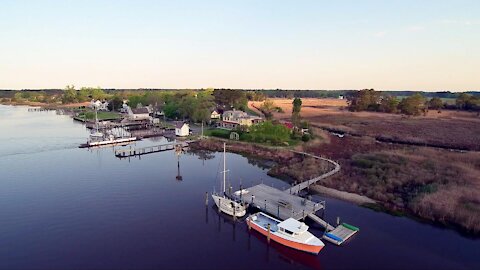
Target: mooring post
{"type": "Point", "coordinates": [303, 214]}
{"type": "Point", "coordinates": [249, 225]}
{"type": "Point", "coordinates": [234, 214]}
{"type": "Point", "coordinates": [278, 211]}
{"type": "Point", "coordinates": [206, 198]}
{"type": "Point", "coordinates": [265, 205]}
{"type": "Point", "coordinates": [230, 190]}
{"type": "Point", "coordinates": [268, 235]}
{"type": "Point", "coordinates": [338, 221]}
{"type": "Point", "coordinates": [219, 204]}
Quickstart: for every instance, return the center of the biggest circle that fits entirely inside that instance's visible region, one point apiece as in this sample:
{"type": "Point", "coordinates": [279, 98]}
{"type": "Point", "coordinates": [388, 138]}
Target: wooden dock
{"type": "Point", "coordinates": [287, 204]}
{"type": "Point", "coordinates": [279, 203]}
{"type": "Point", "coordinates": [130, 152]}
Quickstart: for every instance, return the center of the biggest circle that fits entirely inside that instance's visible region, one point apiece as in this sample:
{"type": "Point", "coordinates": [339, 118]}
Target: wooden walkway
{"type": "Point", "coordinates": [303, 185]}
{"type": "Point", "coordinates": [130, 152]}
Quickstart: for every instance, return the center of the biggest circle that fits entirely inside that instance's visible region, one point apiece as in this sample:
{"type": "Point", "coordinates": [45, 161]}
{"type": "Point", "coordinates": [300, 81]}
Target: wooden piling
{"type": "Point", "coordinates": [268, 235]}
{"type": "Point", "coordinates": [206, 198]}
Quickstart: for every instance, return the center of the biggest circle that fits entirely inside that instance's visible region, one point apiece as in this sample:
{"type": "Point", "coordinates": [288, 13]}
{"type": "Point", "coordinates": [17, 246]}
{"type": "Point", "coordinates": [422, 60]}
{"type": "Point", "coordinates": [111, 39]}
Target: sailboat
{"type": "Point", "coordinates": [224, 203]}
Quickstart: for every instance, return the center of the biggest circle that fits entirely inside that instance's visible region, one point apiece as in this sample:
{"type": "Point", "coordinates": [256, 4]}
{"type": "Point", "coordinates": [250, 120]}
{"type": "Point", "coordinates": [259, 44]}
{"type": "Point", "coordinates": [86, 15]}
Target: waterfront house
{"type": "Point", "coordinates": [182, 129]}
{"type": "Point", "coordinates": [215, 115]}
{"type": "Point", "coordinates": [233, 119]}
{"type": "Point", "coordinates": [99, 105]}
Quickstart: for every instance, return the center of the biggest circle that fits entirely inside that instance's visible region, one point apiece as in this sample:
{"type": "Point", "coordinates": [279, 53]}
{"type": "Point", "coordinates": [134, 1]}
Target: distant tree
{"type": "Point", "coordinates": [231, 98]}
{"type": "Point", "coordinates": [412, 105]}
{"type": "Point", "coordinates": [69, 94]}
{"type": "Point", "coordinates": [364, 100]}
{"type": "Point", "coordinates": [389, 104]}
{"type": "Point", "coordinates": [297, 107]}
{"type": "Point", "coordinates": [115, 103]}
{"type": "Point", "coordinates": [435, 103]}
{"type": "Point", "coordinates": [462, 100]}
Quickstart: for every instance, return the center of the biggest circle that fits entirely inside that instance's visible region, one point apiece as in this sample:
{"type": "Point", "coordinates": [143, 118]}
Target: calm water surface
{"type": "Point", "coordinates": [65, 207]}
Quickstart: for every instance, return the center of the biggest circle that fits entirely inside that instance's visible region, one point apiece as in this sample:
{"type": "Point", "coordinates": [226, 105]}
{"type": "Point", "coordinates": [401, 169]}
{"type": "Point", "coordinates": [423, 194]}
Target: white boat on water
{"type": "Point", "coordinates": [290, 232]}
{"type": "Point", "coordinates": [226, 204]}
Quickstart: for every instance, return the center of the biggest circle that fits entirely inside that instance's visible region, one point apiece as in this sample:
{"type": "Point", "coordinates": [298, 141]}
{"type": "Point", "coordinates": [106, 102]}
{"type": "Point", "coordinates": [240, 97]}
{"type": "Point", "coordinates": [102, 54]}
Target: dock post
{"type": "Point", "coordinates": [234, 214]}
{"type": "Point", "coordinates": [268, 235]}
{"type": "Point", "coordinates": [206, 198]}
{"type": "Point", "coordinates": [265, 205]}
{"type": "Point", "coordinates": [219, 204]}
{"type": "Point", "coordinates": [249, 226]}
{"type": "Point", "coordinates": [278, 211]}
{"type": "Point", "coordinates": [303, 214]}
{"type": "Point", "coordinates": [338, 221]}
{"type": "Point", "coordinates": [230, 190]}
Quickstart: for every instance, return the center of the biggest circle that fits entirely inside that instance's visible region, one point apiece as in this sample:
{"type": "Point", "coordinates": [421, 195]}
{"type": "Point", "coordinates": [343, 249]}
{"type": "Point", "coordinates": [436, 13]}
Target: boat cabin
{"type": "Point", "coordinates": [292, 226]}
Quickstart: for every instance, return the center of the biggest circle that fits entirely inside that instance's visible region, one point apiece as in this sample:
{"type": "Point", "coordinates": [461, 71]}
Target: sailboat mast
{"type": "Point", "coordinates": [96, 118]}
{"type": "Point", "coordinates": [224, 168]}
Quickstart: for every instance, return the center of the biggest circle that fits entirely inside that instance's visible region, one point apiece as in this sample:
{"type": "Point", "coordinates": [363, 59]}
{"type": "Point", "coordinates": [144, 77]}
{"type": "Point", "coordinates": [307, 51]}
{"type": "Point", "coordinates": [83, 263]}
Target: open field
{"type": "Point", "coordinates": [449, 129]}
{"type": "Point", "coordinates": [438, 185]}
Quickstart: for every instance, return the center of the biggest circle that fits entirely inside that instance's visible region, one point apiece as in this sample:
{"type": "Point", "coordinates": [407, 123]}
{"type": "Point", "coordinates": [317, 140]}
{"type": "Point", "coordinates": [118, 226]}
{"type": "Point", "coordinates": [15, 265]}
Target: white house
{"type": "Point", "coordinates": [215, 115]}
{"type": "Point", "coordinates": [182, 129]}
{"type": "Point", "coordinates": [138, 113]}
{"type": "Point", "coordinates": [99, 105]}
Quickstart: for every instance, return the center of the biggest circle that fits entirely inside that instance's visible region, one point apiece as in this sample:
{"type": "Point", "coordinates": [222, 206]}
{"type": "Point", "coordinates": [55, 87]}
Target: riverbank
{"type": "Point", "coordinates": [395, 179]}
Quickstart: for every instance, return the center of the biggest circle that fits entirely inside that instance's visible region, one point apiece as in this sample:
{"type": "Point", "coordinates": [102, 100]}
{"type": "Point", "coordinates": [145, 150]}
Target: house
{"type": "Point", "coordinates": [138, 113]}
{"type": "Point", "coordinates": [341, 97]}
{"type": "Point", "coordinates": [182, 129]}
{"type": "Point", "coordinates": [215, 115]}
{"type": "Point", "coordinates": [99, 105]}
{"type": "Point", "coordinates": [233, 119]}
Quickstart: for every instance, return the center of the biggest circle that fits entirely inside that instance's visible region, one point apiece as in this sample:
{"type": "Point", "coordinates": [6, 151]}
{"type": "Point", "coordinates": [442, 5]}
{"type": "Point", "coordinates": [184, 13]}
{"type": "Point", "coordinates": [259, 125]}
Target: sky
{"type": "Point", "coordinates": [292, 44]}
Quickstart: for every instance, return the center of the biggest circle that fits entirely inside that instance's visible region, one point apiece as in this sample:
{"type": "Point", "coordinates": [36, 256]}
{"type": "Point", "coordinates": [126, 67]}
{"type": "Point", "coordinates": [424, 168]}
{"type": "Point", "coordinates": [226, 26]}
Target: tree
{"type": "Point", "coordinates": [435, 103]}
{"type": "Point", "coordinates": [268, 107]}
{"type": "Point", "coordinates": [389, 104]}
{"type": "Point", "coordinates": [297, 107]}
{"type": "Point", "coordinates": [115, 104]}
{"type": "Point", "coordinates": [462, 100]}
{"type": "Point", "coordinates": [69, 94]}
{"type": "Point", "coordinates": [412, 105]}
{"type": "Point", "coordinates": [364, 100]}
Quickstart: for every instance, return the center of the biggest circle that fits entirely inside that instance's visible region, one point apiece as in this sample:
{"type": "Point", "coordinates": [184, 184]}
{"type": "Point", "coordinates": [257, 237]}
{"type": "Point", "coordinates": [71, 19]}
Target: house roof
{"type": "Point", "coordinates": [179, 124]}
{"type": "Point", "coordinates": [143, 110]}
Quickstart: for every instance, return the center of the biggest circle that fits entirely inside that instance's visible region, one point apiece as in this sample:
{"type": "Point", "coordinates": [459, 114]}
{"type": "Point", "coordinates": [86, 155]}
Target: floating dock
{"type": "Point", "coordinates": [341, 233]}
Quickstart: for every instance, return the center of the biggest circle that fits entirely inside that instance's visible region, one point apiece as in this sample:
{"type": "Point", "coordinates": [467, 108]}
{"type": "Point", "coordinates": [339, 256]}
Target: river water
{"type": "Point", "coordinates": [62, 207]}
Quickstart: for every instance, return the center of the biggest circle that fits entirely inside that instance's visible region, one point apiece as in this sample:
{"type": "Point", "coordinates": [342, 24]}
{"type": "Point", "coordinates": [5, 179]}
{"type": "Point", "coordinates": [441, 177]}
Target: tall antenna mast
{"type": "Point", "coordinates": [224, 168]}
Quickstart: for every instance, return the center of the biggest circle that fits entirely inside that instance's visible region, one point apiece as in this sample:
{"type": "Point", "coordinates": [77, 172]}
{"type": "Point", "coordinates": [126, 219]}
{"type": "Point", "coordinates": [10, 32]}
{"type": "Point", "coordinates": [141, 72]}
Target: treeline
{"type": "Point", "coordinates": [416, 104]}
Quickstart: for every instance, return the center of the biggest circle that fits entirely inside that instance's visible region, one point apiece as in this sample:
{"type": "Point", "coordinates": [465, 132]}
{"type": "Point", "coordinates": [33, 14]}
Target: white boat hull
{"type": "Point", "coordinates": [114, 141]}
{"type": "Point", "coordinates": [229, 206]}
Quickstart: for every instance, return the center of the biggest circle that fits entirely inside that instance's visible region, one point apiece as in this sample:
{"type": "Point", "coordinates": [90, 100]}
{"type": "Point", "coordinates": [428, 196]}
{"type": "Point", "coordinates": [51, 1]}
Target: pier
{"type": "Point", "coordinates": [130, 152]}
{"type": "Point", "coordinates": [287, 204]}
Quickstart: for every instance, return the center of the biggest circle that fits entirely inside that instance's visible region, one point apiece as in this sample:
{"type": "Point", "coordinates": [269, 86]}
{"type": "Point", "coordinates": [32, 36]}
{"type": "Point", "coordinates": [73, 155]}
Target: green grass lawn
{"type": "Point", "coordinates": [89, 115]}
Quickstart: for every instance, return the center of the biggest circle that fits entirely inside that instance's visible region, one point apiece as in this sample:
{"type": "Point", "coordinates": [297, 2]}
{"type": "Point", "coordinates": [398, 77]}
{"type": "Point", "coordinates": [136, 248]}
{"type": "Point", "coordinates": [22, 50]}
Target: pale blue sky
{"type": "Point", "coordinates": [418, 45]}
